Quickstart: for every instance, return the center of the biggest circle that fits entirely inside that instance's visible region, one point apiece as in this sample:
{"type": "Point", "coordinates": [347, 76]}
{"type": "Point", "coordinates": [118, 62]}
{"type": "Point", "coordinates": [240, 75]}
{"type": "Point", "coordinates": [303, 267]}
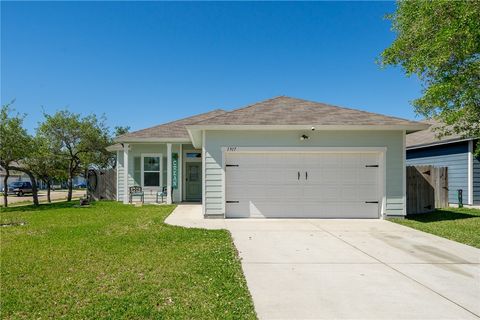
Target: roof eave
{"type": "Point", "coordinates": [195, 131]}
{"type": "Point", "coordinates": [438, 143]}
{"type": "Point", "coordinates": [151, 139]}
{"type": "Point", "coordinates": [408, 127]}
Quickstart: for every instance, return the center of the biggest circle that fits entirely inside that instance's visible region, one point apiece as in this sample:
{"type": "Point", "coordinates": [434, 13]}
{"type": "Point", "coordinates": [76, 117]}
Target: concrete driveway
{"type": "Point", "coordinates": [350, 269]}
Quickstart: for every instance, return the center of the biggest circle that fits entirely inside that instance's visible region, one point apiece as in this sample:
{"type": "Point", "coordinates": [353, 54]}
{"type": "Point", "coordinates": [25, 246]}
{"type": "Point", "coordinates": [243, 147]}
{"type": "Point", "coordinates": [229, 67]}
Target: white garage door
{"type": "Point", "coordinates": [302, 185]}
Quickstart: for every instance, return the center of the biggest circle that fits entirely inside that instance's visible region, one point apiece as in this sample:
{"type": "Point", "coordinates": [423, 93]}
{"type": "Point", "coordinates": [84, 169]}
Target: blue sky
{"type": "Point", "coordinates": [147, 63]}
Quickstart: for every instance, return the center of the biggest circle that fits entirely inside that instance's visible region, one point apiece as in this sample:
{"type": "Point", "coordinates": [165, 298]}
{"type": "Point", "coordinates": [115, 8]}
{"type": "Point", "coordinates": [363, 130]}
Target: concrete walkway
{"type": "Point", "coordinates": [349, 269]}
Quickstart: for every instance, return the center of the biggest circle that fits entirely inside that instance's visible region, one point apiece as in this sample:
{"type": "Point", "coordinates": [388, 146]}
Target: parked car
{"type": "Point", "coordinates": [19, 188]}
{"type": "Point", "coordinates": [80, 185]}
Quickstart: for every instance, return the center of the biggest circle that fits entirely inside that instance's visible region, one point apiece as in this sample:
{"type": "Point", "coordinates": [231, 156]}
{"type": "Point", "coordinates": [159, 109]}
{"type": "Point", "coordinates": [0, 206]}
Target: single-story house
{"type": "Point", "coordinates": [282, 157]}
{"type": "Point", "coordinates": [455, 153]}
{"type": "Point", "coordinates": [13, 176]}
{"type": "Point", "coordinates": [21, 176]}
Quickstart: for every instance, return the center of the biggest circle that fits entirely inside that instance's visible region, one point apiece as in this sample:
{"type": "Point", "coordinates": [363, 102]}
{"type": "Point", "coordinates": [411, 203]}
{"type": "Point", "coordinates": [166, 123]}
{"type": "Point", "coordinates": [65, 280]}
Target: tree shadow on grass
{"type": "Point", "coordinates": [444, 215]}
{"type": "Point", "coordinates": [41, 207]}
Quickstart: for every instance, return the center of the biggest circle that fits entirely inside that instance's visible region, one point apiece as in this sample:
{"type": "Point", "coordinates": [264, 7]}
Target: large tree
{"type": "Point", "coordinates": [46, 162]}
{"type": "Point", "coordinates": [15, 146]}
{"type": "Point", "coordinates": [82, 141]}
{"type": "Point", "coordinates": [439, 41]}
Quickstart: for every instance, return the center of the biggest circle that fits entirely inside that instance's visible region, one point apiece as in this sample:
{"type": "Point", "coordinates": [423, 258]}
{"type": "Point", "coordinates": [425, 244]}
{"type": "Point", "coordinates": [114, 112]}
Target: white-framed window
{"type": "Point", "coordinates": [151, 170]}
{"type": "Point", "coordinates": [137, 171]}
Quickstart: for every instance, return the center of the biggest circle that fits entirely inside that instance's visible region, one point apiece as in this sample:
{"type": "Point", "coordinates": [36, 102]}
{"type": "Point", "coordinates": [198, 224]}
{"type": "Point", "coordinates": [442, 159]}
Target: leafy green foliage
{"type": "Point", "coordinates": [111, 261]}
{"type": "Point", "coordinates": [15, 145]}
{"type": "Point", "coordinates": [460, 225]}
{"type": "Point", "coordinates": [119, 130]}
{"type": "Point", "coordinates": [46, 162]}
{"type": "Point", "coordinates": [439, 41]}
{"type": "Point", "coordinates": [81, 140]}
{"type": "Point", "coordinates": [15, 142]}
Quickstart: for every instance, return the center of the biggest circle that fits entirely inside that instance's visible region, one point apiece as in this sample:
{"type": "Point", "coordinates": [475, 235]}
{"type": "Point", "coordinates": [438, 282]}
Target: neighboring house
{"type": "Point", "coordinates": [14, 176]}
{"type": "Point", "coordinates": [21, 176]}
{"type": "Point", "coordinates": [453, 152]}
{"type": "Point", "coordinates": [282, 157]}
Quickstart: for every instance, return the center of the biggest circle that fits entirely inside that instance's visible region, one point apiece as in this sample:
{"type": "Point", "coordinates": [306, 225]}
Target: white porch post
{"type": "Point", "coordinates": [169, 173]}
{"type": "Point", "coordinates": [125, 173]}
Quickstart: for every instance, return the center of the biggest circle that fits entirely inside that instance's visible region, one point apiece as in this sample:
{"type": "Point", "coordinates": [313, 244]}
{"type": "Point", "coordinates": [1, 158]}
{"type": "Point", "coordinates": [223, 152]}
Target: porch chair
{"type": "Point", "coordinates": [162, 194]}
{"type": "Point", "coordinates": [135, 191]}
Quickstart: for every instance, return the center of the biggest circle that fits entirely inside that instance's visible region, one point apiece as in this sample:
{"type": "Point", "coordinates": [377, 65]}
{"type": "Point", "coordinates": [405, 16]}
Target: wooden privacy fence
{"type": "Point", "coordinates": [427, 188]}
{"type": "Point", "coordinates": [102, 184]}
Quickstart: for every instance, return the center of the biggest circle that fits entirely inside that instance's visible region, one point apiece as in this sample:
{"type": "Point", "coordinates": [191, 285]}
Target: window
{"type": "Point", "coordinates": [137, 171]}
{"type": "Point", "coordinates": [194, 154]}
{"type": "Point", "coordinates": [151, 171]}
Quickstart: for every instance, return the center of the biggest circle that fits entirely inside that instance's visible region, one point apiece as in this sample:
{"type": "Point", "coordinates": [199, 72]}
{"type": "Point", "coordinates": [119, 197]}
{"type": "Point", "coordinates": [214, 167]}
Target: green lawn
{"type": "Point", "coordinates": [462, 225]}
{"type": "Point", "coordinates": [114, 261]}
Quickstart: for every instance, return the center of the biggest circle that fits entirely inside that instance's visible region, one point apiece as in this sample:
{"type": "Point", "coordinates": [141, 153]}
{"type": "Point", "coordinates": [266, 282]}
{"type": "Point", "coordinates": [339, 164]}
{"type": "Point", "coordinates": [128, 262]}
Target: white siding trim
{"type": "Point", "coordinates": [303, 149]}
{"type": "Point", "coordinates": [118, 182]}
{"type": "Point", "coordinates": [404, 174]}
{"type": "Point", "coordinates": [125, 173]}
{"type": "Point", "coordinates": [169, 173]}
{"type": "Point", "coordinates": [470, 172]}
{"type": "Point", "coordinates": [203, 173]}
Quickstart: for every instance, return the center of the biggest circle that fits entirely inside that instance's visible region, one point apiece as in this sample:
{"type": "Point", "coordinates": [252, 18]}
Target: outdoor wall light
{"type": "Point", "coordinates": [304, 137]}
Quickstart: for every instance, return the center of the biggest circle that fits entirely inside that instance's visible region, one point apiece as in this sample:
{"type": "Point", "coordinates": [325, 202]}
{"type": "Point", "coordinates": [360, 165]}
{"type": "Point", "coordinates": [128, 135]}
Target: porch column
{"type": "Point", "coordinates": [169, 173]}
{"type": "Point", "coordinates": [125, 173]}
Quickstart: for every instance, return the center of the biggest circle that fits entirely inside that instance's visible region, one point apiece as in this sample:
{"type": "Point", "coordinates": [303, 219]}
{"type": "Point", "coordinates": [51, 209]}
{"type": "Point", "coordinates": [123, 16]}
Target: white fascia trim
{"type": "Point", "coordinates": [235, 149]}
{"type": "Point", "coordinates": [470, 172]}
{"type": "Point", "coordinates": [413, 127]}
{"type": "Point", "coordinates": [192, 140]}
{"type": "Point", "coordinates": [153, 140]}
{"type": "Point", "coordinates": [114, 147]}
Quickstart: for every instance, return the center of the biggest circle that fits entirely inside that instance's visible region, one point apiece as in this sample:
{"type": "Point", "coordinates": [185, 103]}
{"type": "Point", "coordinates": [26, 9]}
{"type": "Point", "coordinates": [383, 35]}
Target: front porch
{"type": "Point", "coordinates": [174, 167]}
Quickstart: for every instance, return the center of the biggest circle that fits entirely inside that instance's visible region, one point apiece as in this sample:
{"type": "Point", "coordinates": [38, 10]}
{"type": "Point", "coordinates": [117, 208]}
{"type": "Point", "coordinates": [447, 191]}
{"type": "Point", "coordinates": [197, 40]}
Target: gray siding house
{"type": "Point", "coordinates": [453, 152]}
{"type": "Point", "coordinates": [282, 157]}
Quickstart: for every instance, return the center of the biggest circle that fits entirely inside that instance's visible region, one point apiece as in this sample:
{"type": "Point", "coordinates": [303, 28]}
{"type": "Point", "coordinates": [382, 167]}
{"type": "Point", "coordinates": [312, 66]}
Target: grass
{"type": "Point", "coordinates": [30, 202]}
{"type": "Point", "coordinates": [457, 224]}
{"type": "Point", "coordinates": [112, 261]}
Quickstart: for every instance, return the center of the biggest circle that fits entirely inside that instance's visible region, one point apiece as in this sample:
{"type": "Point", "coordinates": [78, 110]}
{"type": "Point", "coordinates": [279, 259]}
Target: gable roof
{"type": "Point", "coordinates": [428, 137]}
{"type": "Point", "coordinates": [292, 111]}
{"type": "Point", "coordinates": [174, 130]}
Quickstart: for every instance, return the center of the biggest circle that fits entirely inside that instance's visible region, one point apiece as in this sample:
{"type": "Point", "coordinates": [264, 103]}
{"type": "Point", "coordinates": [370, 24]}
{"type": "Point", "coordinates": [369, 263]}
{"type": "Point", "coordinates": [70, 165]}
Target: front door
{"type": "Point", "coordinates": [193, 181]}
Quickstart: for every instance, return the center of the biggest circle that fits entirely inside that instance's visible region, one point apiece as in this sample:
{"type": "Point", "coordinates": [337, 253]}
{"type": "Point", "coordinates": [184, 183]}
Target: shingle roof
{"type": "Point", "coordinates": [429, 136]}
{"type": "Point", "coordinates": [175, 129]}
{"type": "Point", "coordinates": [292, 111]}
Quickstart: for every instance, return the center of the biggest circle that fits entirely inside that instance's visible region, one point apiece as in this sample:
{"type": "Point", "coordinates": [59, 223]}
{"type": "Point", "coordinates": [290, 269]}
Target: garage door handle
{"type": "Point", "coordinates": [371, 201]}
{"type": "Point", "coordinates": [298, 177]}
{"type": "Point", "coordinates": [306, 175]}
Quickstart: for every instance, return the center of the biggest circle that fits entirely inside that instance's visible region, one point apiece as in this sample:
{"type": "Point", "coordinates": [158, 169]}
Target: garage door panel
{"type": "Point", "coordinates": [339, 185]}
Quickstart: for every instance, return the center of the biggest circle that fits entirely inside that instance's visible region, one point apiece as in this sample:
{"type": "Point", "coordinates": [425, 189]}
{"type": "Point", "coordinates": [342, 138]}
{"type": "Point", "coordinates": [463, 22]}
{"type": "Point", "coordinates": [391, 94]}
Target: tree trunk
{"type": "Point", "coordinates": [5, 188]}
{"type": "Point", "coordinates": [34, 188]}
{"type": "Point", "coordinates": [70, 185]}
{"type": "Point", "coordinates": [33, 181]}
{"type": "Point", "coordinates": [49, 186]}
